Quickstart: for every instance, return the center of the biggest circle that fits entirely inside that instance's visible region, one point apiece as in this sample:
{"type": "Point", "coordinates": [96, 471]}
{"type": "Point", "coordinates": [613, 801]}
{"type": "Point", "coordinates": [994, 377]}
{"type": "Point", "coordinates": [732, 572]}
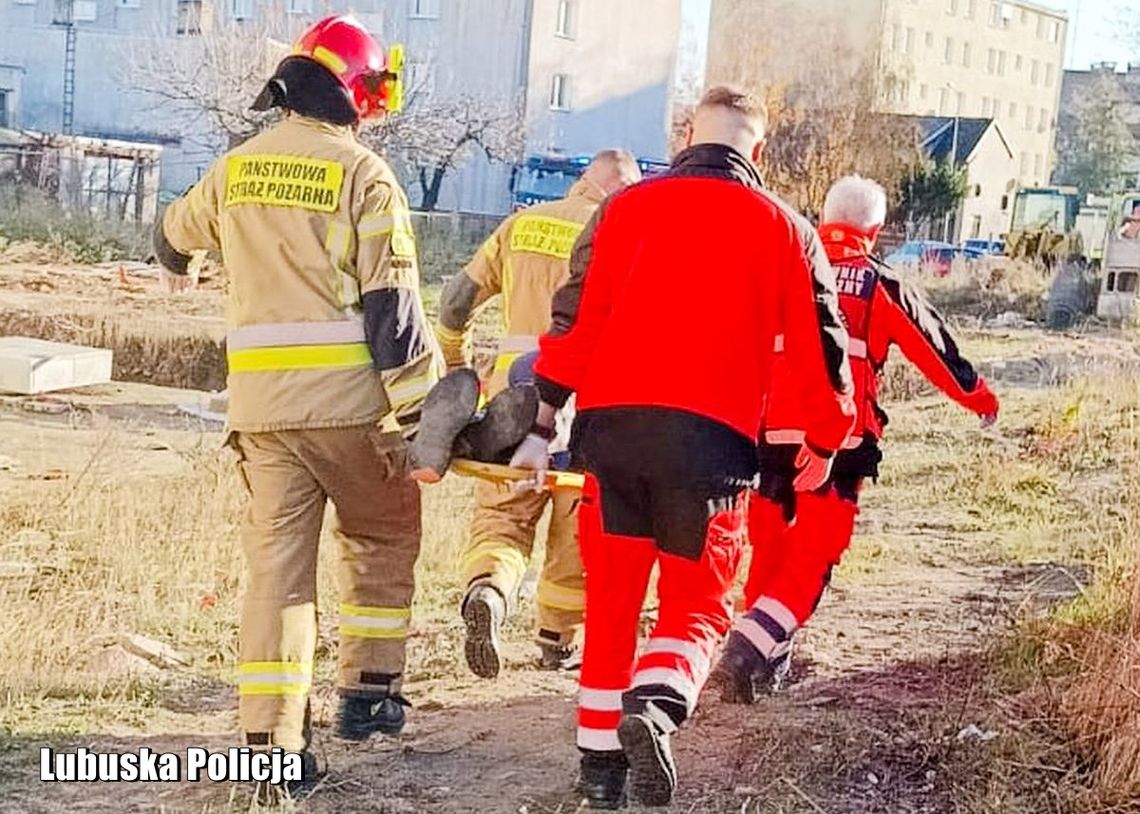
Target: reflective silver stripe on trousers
{"type": "Point", "coordinates": [799, 436]}
{"type": "Point", "coordinates": [284, 334]}
{"type": "Point", "coordinates": [518, 344]}
{"type": "Point", "coordinates": [856, 348]}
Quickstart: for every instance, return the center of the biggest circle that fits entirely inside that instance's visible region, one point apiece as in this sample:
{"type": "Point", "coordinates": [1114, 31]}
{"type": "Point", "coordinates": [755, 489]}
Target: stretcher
{"type": "Point", "coordinates": [518, 480]}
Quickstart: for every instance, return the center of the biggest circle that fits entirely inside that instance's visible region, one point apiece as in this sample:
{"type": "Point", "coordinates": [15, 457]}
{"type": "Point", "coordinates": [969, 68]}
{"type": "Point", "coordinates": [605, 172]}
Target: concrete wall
{"type": "Point", "coordinates": [618, 60]}
{"type": "Point", "coordinates": [991, 174]}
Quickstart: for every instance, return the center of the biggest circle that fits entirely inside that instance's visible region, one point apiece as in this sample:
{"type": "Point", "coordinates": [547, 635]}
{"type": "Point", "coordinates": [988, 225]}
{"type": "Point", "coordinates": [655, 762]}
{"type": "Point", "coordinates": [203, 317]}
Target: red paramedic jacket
{"type": "Point", "coordinates": [880, 309]}
{"type": "Point", "coordinates": [678, 288]}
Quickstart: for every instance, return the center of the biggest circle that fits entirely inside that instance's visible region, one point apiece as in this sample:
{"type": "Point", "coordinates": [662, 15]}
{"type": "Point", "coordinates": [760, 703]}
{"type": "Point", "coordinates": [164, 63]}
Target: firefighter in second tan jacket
{"type": "Point", "coordinates": [330, 356]}
{"type": "Point", "coordinates": [525, 261]}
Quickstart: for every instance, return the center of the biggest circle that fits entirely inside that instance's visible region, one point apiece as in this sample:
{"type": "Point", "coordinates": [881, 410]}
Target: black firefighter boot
{"type": "Point", "coordinates": [484, 610]}
{"type": "Point", "coordinates": [493, 437]}
{"type": "Point", "coordinates": [358, 717]}
{"type": "Point", "coordinates": [644, 738]}
{"type": "Point", "coordinates": [743, 674]}
{"type": "Point", "coordinates": [273, 794]}
{"type": "Point", "coordinates": [601, 778]}
{"type": "Point", "coordinates": [447, 409]}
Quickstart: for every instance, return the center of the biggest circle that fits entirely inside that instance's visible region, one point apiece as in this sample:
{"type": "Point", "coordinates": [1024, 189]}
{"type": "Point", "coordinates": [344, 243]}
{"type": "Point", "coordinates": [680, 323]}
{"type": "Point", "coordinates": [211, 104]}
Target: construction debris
{"type": "Point", "coordinates": [30, 366]}
{"type": "Point", "coordinates": [155, 652]}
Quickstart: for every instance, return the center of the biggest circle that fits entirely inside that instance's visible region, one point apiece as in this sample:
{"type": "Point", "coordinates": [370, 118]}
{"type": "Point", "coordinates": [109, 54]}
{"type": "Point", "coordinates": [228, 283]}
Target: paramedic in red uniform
{"type": "Point", "coordinates": [665, 330]}
{"type": "Point", "coordinates": [791, 562]}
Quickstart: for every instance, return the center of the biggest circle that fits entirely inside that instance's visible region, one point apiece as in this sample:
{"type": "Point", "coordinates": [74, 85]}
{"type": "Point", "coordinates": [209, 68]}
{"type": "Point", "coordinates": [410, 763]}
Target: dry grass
{"type": "Point", "coordinates": [989, 287]}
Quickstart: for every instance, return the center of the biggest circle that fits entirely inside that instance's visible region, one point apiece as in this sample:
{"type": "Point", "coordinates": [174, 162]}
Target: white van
{"type": "Point", "coordinates": [1120, 270]}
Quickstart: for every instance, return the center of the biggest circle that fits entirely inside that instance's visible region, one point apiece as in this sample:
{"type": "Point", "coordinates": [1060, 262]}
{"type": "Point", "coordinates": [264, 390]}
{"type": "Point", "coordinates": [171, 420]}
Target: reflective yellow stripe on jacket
{"type": "Point", "coordinates": [297, 346]}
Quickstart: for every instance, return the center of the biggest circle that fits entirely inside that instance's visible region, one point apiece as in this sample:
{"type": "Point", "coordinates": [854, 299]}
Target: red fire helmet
{"type": "Point", "coordinates": [371, 76]}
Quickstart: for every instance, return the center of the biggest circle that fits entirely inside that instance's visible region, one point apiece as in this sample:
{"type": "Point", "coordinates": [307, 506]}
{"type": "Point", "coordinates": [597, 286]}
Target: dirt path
{"type": "Point", "coordinates": [891, 710]}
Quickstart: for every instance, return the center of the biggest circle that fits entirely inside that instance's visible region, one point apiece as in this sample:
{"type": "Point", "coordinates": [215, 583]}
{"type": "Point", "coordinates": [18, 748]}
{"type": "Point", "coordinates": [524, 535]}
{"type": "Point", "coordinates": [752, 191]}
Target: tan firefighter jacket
{"type": "Point", "coordinates": [525, 260]}
{"type": "Point", "coordinates": [326, 324]}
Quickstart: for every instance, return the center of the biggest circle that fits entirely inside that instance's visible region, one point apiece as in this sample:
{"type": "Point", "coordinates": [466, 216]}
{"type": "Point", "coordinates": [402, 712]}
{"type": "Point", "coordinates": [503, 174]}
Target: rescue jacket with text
{"type": "Point", "coordinates": [326, 325]}
{"type": "Point", "coordinates": [880, 310]}
{"type": "Point", "coordinates": [679, 286]}
{"type": "Point", "coordinates": [525, 260]}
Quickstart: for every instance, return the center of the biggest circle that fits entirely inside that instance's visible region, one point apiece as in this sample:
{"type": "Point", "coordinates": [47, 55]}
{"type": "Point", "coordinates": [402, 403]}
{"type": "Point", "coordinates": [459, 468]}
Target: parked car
{"type": "Point", "coordinates": [931, 255]}
{"type": "Point", "coordinates": [977, 247]}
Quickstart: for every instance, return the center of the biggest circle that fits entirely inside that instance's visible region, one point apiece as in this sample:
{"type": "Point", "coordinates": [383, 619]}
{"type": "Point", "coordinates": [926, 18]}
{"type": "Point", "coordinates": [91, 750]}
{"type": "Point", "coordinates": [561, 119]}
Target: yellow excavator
{"type": "Point", "coordinates": [1042, 228]}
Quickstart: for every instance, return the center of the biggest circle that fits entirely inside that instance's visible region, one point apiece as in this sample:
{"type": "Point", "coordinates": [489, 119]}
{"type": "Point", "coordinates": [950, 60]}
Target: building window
{"type": "Point", "coordinates": [4, 122]}
{"type": "Point", "coordinates": [1029, 117]}
{"type": "Point", "coordinates": [971, 8]}
{"type": "Point", "coordinates": [424, 9]}
{"type": "Point", "coordinates": [948, 54]}
{"type": "Point", "coordinates": [943, 101]}
{"type": "Point", "coordinates": [128, 3]}
{"type": "Point", "coordinates": [297, 7]}
{"type": "Point", "coordinates": [421, 79]}
{"type": "Point", "coordinates": [1017, 63]}
{"type": "Point", "coordinates": [922, 92]}
{"type": "Point", "coordinates": [1043, 121]}
{"type": "Point", "coordinates": [1025, 16]}
{"type": "Point", "coordinates": [991, 61]}
{"type": "Point", "coordinates": [1001, 63]}
{"type": "Point", "coordinates": [1038, 166]}
{"type": "Point", "coordinates": [564, 24]}
{"type": "Point", "coordinates": [908, 44]}
{"type": "Point", "coordinates": [961, 104]}
{"type": "Point", "coordinates": [1000, 14]}
{"type": "Point", "coordinates": [1034, 72]}
{"type": "Point", "coordinates": [965, 55]}
{"type": "Point", "coordinates": [82, 11]}
{"type": "Point", "coordinates": [1054, 31]}
{"type": "Point", "coordinates": [951, 6]}
{"type": "Point", "coordinates": [986, 102]}
{"type": "Point", "coordinates": [560, 92]}
{"type": "Point", "coordinates": [190, 16]}
{"type": "Point", "coordinates": [1013, 110]}
{"type": "Point", "coordinates": [241, 9]}
{"type": "Point", "coordinates": [1050, 75]}
{"type": "Point", "coordinates": [929, 39]}
{"type": "Point", "coordinates": [1040, 27]}
{"type": "Point", "coordinates": [1024, 165]}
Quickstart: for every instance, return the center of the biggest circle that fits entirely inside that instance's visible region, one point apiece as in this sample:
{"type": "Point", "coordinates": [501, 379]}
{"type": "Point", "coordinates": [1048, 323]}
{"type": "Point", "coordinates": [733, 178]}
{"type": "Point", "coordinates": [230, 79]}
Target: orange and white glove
{"type": "Point", "coordinates": [813, 469]}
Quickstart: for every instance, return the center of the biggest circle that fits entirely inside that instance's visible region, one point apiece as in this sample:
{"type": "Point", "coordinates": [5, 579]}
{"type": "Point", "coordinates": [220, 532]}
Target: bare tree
{"type": "Point", "coordinates": [432, 138]}
{"type": "Point", "coordinates": [202, 86]}
{"type": "Point", "coordinates": [820, 69]}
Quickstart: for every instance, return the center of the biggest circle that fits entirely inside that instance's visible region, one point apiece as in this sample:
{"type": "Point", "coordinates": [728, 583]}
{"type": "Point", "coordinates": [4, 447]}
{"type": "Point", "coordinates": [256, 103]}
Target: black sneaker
{"type": "Point", "coordinates": [743, 675]}
{"type": "Point", "coordinates": [601, 779]}
{"type": "Point", "coordinates": [357, 718]}
{"type": "Point", "coordinates": [652, 773]}
{"type": "Point", "coordinates": [484, 609]}
{"type": "Point", "coordinates": [509, 416]}
{"type": "Point", "coordinates": [560, 656]}
{"type": "Point", "coordinates": [447, 409]}
{"type": "Point", "coordinates": [270, 795]}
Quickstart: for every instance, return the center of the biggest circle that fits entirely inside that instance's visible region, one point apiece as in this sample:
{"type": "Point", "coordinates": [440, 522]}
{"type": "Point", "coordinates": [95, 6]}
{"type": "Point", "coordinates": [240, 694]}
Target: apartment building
{"type": "Point", "coordinates": [589, 73]}
{"type": "Point", "coordinates": [1078, 86]}
{"type": "Point", "coordinates": [992, 59]}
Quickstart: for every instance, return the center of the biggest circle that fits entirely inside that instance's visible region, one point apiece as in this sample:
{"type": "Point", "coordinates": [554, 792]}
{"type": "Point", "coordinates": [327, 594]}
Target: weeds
{"type": "Point", "coordinates": [27, 214]}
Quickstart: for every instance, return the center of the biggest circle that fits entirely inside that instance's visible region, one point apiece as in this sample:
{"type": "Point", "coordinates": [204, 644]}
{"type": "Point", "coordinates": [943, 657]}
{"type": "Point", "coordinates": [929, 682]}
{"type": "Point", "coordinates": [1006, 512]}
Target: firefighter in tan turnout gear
{"type": "Point", "coordinates": [329, 358]}
{"type": "Point", "coordinates": [524, 261]}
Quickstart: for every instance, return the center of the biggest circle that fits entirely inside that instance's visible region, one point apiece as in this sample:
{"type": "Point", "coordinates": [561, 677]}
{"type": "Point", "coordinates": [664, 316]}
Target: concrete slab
{"type": "Point", "coordinates": [29, 366]}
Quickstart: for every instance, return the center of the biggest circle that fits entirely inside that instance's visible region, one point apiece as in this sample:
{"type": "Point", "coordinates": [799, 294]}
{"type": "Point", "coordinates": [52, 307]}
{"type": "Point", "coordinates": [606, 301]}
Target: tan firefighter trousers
{"type": "Point", "coordinates": [502, 537]}
{"type": "Point", "coordinates": [290, 476]}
